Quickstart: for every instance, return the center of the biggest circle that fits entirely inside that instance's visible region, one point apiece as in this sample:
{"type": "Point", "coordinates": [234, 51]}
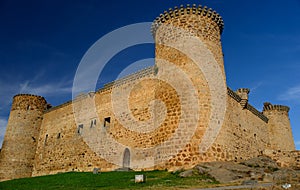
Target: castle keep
{"type": "Point", "coordinates": [173, 115]}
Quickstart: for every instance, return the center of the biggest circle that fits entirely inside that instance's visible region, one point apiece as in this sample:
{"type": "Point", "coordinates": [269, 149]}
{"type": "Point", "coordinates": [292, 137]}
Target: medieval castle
{"type": "Point", "coordinates": [176, 114]}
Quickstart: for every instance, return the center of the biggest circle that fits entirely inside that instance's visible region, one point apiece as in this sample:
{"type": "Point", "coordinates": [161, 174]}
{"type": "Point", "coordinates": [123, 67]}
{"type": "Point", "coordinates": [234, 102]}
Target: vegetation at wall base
{"type": "Point", "coordinates": [108, 180]}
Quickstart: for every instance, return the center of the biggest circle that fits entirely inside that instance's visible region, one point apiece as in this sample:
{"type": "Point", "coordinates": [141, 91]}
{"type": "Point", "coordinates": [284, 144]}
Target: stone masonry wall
{"type": "Point", "coordinates": [285, 158]}
{"type": "Point", "coordinates": [281, 137]}
{"type": "Point", "coordinates": [61, 147]}
{"type": "Point", "coordinates": [242, 136]}
{"type": "Point", "coordinates": [22, 133]}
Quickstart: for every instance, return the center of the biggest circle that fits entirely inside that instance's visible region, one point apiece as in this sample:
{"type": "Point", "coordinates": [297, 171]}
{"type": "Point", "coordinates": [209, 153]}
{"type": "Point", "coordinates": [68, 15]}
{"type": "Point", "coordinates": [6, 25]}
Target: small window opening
{"type": "Point", "coordinates": [58, 136]}
{"type": "Point", "coordinates": [33, 139]}
{"type": "Point", "coordinates": [79, 129]}
{"type": "Point", "coordinates": [46, 138]}
{"type": "Point", "coordinates": [28, 108]}
{"type": "Point", "coordinates": [93, 123]}
{"type": "Point", "coordinates": [106, 121]}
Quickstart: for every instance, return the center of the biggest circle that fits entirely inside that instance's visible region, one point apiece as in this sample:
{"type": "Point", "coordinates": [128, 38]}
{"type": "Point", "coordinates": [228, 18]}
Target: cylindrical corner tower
{"type": "Point", "coordinates": [198, 21]}
{"type": "Point", "coordinates": [189, 57]}
{"type": "Point", "coordinates": [281, 137]}
{"type": "Point", "coordinates": [22, 132]}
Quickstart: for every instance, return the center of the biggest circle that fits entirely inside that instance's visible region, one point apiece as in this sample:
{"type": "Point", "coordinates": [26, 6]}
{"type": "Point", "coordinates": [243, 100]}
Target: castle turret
{"type": "Point", "coordinates": [243, 93]}
{"type": "Point", "coordinates": [22, 132]}
{"type": "Point", "coordinates": [189, 57]}
{"type": "Point", "coordinates": [281, 137]}
{"type": "Point", "coordinates": [198, 21]}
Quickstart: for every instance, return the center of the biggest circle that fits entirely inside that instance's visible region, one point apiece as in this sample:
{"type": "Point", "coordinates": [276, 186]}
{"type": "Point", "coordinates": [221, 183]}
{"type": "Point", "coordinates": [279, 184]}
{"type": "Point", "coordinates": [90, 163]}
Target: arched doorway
{"type": "Point", "coordinates": [126, 158]}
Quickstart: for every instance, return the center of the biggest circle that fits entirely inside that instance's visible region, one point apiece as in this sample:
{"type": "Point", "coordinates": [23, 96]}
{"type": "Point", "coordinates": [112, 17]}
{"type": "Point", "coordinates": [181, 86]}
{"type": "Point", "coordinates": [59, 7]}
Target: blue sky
{"type": "Point", "coordinates": [42, 43]}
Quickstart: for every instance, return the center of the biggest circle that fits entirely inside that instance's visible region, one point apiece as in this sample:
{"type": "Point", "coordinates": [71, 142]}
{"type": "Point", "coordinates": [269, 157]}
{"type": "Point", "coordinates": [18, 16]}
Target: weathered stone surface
{"type": "Point", "coordinates": [223, 175]}
{"type": "Point", "coordinates": [262, 171]}
{"type": "Point", "coordinates": [187, 173]}
{"type": "Point", "coordinates": [262, 162]}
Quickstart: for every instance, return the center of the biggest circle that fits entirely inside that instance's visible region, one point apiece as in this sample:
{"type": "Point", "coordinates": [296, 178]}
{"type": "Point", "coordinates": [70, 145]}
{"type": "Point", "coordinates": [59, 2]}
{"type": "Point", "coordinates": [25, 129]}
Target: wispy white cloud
{"type": "Point", "coordinates": [292, 93]}
{"type": "Point", "coordinates": [33, 86]}
{"type": "Point", "coordinates": [46, 89]}
{"type": "Point", "coordinates": [297, 143]}
{"type": "Point", "coordinates": [254, 87]}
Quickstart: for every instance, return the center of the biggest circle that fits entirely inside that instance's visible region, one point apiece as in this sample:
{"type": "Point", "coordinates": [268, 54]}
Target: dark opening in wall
{"type": "Point", "coordinates": [33, 139]}
{"type": "Point", "coordinates": [93, 123]}
{"type": "Point", "coordinates": [80, 128]}
{"type": "Point", "coordinates": [106, 121]}
{"type": "Point", "coordinates": [46, 138]}
{"type": "Point", "coordinates": [58, 136]}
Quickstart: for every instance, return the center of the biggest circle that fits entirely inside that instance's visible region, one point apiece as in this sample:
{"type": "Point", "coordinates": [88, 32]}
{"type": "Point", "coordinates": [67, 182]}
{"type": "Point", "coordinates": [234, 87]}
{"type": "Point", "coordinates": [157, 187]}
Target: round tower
{"type": "Point", "coordinates": [20, 140]}
{"type": "Point", "coordinates": [189, 57]}
{"type": "Point", "coordinates": [281, 137]}
{"type": "Point", "coordinates": [199, 21]}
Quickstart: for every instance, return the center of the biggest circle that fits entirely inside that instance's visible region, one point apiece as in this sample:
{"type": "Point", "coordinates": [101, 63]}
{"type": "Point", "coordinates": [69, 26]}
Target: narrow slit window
{"type": "Point", "coordinates": [79, 129]}
{"type": "Point", "coordinates": [106, 122]}
{"type": "Point", "coordinates": [46, 138]}
{"type": "Point", "coordinates": [93, 123]}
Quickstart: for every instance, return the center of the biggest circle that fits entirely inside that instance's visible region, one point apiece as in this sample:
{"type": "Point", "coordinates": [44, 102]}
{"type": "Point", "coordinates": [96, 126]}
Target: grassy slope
{"type": "Point", "coordinates": [106, 180]}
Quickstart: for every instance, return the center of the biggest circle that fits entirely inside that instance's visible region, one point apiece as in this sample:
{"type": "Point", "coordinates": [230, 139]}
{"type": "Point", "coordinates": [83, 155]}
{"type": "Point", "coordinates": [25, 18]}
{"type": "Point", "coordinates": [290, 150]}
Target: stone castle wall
{"type": "Point", "coordinates": [279, 127]}
{"type": "Point", "coordinates": [65, 146]}
{"type": "Point", "coordinates": [157, 118]}
{"type": "Point", "coordinates": [22, 133]}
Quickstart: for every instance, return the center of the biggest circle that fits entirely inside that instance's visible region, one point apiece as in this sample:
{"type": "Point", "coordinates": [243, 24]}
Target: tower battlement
{"type": "Point", "coordinates": [25, 95]}
{"type": "Point", "coordinates": [270, 107]}
{"type": "Point", "coordinates": [29, 102]}
{"type": "Point", "coordinates": [243, 93]}
{"type": "Point", "coordinates": [187, 10]}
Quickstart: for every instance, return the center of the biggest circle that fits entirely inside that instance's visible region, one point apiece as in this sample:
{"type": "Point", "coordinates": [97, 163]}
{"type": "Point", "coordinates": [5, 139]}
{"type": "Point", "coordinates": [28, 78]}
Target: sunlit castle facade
{"type": "Point", "coordinates": [172, 116]}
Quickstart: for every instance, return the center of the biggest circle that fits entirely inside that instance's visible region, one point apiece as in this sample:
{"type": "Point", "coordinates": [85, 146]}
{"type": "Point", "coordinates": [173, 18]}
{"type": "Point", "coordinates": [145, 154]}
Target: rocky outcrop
{"type": "Point", "coordinates": [252, 171]}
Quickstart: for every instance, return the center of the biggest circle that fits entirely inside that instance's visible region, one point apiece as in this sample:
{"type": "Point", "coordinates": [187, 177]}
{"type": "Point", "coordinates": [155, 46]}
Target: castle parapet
{"type": "Point", "coordinates": [281, 137]}
{"type": "Point", "coordinates": [270, 107]}
{"type": "Point", "coordinates": [243, 93]}
{"type": "Point", "coordinates": [29, 101]}
{"type": "Point", "coordinates": [196, 10]}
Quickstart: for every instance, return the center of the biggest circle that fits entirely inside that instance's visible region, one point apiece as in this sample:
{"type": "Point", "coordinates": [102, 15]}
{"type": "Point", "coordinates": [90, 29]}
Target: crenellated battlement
{"type": "Point", "coordinates": [237, 97]}
{"type": "Point", "coordinates": [270, 107]}
{"type": "Point", "coordinates": [26, 95]}
{"type": "Point", "coordinates": [243, 91]}
{"type": "Point", "coordinates": [152, 70]}
{"type": "Point", "coordinates": [29, 102]}
{"type": "Point", "coordinates": [187, 10]}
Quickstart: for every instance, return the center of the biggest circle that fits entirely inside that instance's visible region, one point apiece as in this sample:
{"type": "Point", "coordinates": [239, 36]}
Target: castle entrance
{"type": "Point", "coordinates": [126, 158]}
